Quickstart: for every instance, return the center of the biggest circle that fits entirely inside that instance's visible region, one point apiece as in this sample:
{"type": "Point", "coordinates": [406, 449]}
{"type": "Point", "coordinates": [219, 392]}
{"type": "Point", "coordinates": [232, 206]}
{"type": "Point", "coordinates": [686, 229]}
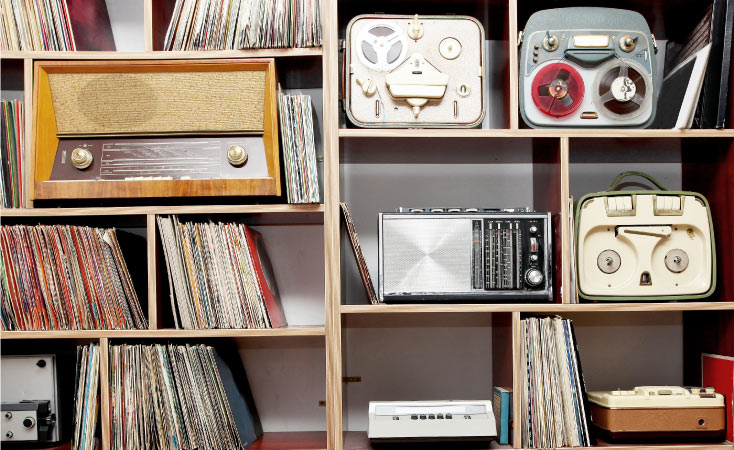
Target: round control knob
{"type": "Point", "coordinates": [237, 155]}
{"type": "Point", "coordinates": [550, 43]}
{"type": "Point", "coordinates": [8, 415]}
{"type": "Point", "coordinates": [81, 158]}
{"type": "Point", "coordinates": [450, 48]}
{"type": "Point", "coordinates": [9, 435]}
{"type": "Point", "coordinates": [534, 258]}
{"type": "Point", "coordinates": [627, 43]}
{"type": "Point", "coordinates": [28, 422]}
{"type": "Point", "coordinates": [534, 277]}
{"type": "Point", "coordinates": [533, 229]}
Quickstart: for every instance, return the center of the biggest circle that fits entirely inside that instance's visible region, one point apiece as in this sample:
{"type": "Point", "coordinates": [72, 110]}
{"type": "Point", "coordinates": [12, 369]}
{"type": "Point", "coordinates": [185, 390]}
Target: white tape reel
{"type": "Point", "coordinates": [382, 46]}
{"type": "Point", "coordinates": [622, 90]}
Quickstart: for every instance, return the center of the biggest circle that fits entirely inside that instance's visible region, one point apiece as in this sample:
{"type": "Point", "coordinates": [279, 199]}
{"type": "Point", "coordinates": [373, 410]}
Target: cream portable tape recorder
{"type": "Point", "coordinates": [644, 245]}
{"type": "Point", "coordinates": [587, 67]}
{"type": "Point", "coordinates": [659, 412]}
{"type": "Point", "coordinates": [415, 71]}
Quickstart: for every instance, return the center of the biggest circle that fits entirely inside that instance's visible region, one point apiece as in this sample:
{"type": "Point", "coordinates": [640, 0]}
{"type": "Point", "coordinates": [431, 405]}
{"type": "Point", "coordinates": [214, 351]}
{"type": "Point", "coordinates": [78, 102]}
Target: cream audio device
{"type": "Point", "coordinates": [644, 245]}
{"type": "Point", "coordinates": [659, 412]}
{"type": "Point", "coordinates": [587, 67]}
{"type": "Point", "coordinates": [415, 71]}
{"type": "Point", "coordinates": [428, 421]}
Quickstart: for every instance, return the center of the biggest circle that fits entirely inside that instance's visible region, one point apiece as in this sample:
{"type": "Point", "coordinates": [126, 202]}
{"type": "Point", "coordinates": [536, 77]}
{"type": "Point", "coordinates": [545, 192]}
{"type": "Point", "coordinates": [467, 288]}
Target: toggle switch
{"type": "Point", "coordinates": [368, 86]}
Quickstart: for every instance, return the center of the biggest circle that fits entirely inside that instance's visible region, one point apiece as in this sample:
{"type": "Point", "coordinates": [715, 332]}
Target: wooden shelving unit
{"type": "Point", "coordinates": [401, 352]}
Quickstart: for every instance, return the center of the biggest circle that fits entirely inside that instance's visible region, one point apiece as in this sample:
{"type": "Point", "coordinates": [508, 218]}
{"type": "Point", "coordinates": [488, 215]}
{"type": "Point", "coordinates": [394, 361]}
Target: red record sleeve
{"type": "Point", "coordinates": [718, 372]}
{"type": "Point", "coordinates": [265, 278]}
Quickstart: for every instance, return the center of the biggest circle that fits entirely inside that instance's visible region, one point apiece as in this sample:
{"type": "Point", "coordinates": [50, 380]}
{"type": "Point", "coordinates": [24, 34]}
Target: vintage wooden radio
{"type": "Point", "coordinates": [141, 128]}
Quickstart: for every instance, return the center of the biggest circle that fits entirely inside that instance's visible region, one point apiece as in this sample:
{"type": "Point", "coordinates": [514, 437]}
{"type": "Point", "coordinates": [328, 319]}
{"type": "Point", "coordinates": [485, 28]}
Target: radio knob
{"type": "Point", "coordinates": [534, 277]}
{"type": "Point", "coordinates": [237, 155]}
{"type": "Point", "coordinates": [533, 229]}
{"type": "Point", "coordinates": [81, 158]}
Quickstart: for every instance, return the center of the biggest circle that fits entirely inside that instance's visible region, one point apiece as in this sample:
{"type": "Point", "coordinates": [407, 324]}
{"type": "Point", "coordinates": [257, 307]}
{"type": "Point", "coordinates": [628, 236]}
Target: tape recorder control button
{"type": "Point", "coordinates": [550, 43]}
{"type": "Point", "coordinates": [415, 30]}
{"type": "Point", "coordinates": [368, 86]}
{"type": "Point", "coordinates": [627, 43]}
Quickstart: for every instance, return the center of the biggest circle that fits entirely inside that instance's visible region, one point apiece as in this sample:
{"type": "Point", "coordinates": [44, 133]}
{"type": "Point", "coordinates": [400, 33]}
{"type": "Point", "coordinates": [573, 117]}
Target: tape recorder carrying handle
{"type": "Point", "coordinates": [617, 181]}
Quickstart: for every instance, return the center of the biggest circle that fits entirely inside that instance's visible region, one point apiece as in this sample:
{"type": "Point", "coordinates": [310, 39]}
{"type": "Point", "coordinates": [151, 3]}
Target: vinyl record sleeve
{"type": "Point", "coordinates": [265, 278]}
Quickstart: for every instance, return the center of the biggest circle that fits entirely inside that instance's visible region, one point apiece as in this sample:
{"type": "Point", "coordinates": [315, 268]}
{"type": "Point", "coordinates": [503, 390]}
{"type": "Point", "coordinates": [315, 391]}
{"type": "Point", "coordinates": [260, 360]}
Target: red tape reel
{"type": "Point", "coordinates": [558, 90]}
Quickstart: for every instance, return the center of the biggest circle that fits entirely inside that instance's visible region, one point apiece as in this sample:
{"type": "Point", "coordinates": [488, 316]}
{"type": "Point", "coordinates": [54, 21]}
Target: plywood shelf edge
{"type": "Point", "coordinates": [144, 210]}
{"type": "Point", "coordinates": [165, 333]}
{"type": "Point", "coordinates": [247, 53]}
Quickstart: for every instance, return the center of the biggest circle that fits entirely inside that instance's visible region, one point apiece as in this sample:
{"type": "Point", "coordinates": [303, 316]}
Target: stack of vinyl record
{"type": "Point", "coordinates": [219, 276]}
{"type": "Point", "coordinates": [35, 25]}
{"type": "Point", "coordinates": [299, 149]}
{"type": "Point", "coordinates": [554, 408]}
{"type": "Point", "coordinates": [11, 146]}
{"type": "Point", "coordinates": [243, 24]}
{"type": "Point", "coordinates": [176, 397]}
{"type": "Point", "coordinates": [86, 401]}
{"type": "Point", "coordinates": [63, 277]}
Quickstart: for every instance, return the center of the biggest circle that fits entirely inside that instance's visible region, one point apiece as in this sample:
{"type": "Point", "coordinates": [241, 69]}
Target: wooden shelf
{"type": "Point", "coordinates": [252, 53]}
{"type": "Point", "coordinates": [666, 446]}
{"type": "Point", "coordinates": [164, 333]}
{"type": "Point", "coordinates": [294, 440]}
{"type": "Point", "coordinates": [534, 307]}
{"type": "Point", "coordinates": [529, 133]}
{"type": "Point", "coordinates": [143, 210]}
{"type": "Point", "coordinates": [357, 440]}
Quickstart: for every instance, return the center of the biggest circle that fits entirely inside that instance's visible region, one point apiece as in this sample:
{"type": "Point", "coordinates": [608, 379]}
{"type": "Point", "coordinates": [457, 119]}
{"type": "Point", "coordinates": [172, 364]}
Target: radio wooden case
{"type": "Point", "coordinates": [141, 128]}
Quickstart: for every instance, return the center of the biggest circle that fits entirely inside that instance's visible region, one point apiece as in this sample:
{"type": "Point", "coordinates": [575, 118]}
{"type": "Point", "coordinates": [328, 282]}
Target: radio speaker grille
{"type": "Point", "coordinates": [426, 255]}
{"type": "Point", "coordinates": [158, 102]}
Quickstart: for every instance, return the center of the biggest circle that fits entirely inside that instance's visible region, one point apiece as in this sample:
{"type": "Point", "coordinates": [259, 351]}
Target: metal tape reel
{"type": "Point", "coordinates": [622, 89]}
{"type": "Point", "coordinates": [608, 261]}
{"type": "Point", "coordinates": [381, 46]}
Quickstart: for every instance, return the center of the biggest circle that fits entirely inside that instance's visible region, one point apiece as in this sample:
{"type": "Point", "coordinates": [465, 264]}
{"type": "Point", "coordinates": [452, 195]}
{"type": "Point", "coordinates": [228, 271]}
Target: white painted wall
{"type": "Point", "coordinates": [127, 20]}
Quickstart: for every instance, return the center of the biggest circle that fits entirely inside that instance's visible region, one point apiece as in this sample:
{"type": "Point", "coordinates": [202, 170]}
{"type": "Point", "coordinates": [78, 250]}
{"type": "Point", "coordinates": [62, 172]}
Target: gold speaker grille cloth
{"type": "Point", "coordinates": [158, 102]}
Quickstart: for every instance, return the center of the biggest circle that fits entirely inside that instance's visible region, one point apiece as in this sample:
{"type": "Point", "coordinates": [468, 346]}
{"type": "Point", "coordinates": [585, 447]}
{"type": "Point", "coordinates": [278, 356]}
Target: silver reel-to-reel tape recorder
{"type": "Point", "coordinates": [415, 71]}
{"type": "Point", "coordinates": [587, 67]}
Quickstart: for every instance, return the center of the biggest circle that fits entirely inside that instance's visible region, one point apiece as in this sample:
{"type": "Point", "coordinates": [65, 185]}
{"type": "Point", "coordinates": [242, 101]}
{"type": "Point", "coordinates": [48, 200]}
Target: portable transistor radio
{"type": "Point", "coordinates": [587, 67]}
{"type": "Point", "coordinates": [644, 245]}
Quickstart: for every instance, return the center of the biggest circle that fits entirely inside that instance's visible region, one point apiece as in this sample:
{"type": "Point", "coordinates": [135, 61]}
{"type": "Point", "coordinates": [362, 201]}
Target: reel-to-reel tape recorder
{"type": "Point", "coordinates": [415, 71]}
{"type": "Point", "coordinates": [587, 67]}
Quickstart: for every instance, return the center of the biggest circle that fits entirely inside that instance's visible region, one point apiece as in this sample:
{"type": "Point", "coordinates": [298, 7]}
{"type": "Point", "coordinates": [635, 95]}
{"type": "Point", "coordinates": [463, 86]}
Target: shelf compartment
{"type": "Point", "coordinates": [296, 254]}
{"type": "Point", "coordinates": [704, 165]}
{"type": "Point", "coordinates": [394, 358]}
{"type": "Point", "coordinates": [443, 172]}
